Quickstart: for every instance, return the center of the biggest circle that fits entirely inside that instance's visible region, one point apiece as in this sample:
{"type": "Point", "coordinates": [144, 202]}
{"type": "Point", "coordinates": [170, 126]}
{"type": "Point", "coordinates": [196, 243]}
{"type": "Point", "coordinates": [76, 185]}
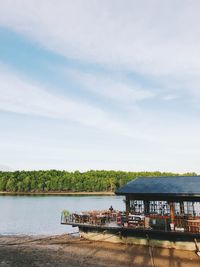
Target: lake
{"type": "Point", "coordinates": [40, 215]}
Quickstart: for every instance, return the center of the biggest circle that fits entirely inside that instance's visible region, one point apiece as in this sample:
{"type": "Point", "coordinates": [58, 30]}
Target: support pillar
{"type": "Point", "coordinates": [146, 207]}
{"type": "Point", "coordinates": [127, 207]}
{"type": "Point", "coordinates": [182, 211]}
{"type": "Point", "coordinates": [172, 215]}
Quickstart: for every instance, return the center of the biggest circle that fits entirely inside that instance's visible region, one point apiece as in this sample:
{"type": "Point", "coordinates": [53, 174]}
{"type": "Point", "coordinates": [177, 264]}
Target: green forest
{"type": "Point", "coordinates": [64, 181]}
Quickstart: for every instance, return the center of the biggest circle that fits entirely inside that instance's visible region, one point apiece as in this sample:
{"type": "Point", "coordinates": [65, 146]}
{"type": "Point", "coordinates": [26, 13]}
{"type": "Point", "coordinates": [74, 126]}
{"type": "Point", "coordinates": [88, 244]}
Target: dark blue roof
{"type": "Point", "coordinates": [173, 185]}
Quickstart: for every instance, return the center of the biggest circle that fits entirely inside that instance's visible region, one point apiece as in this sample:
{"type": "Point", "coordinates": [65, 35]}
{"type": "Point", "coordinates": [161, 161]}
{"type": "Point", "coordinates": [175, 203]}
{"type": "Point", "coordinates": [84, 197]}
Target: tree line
{"type": "Point", "coordinates": [64, 181]}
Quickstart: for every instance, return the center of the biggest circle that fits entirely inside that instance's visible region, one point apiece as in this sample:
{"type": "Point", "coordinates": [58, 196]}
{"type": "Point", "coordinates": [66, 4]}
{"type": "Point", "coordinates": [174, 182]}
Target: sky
{"type": "Point", "coordinates": [92, 84]}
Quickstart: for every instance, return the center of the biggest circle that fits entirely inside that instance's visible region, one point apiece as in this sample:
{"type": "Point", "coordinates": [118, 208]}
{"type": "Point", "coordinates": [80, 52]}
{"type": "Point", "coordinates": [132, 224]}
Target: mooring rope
{"type": "Point", "coordinates": [150, 251]}
{"type": "Point", "coordinates": [197, 247]}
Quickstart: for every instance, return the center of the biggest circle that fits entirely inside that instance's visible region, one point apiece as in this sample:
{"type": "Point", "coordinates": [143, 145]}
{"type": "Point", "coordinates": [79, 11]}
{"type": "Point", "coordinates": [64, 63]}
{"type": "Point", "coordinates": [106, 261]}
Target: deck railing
{"type": "Point", "coordinates": [186, 223]}
{"type": "Point", "coordinates": [93, 217]}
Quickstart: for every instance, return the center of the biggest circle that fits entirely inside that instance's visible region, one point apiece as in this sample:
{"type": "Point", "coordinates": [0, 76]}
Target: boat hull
{"type": "Point", "coordinates": [175, 240]}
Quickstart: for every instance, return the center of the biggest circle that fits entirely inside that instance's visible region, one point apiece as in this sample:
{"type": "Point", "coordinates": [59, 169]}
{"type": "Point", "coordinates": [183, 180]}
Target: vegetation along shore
{"type": "Point", "coordinates": [106, 193]}
{"type": "Point", "coordinates": [54, 181]}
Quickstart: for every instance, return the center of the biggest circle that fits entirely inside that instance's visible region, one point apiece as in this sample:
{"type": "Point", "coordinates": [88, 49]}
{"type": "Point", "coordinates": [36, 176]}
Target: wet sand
{"type": "Point", "coordinates": [65, 250]}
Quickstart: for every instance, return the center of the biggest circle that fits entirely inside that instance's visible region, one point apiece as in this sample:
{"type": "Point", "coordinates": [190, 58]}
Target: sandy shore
{"type": "Point", "coordinates": [57, 193]}
{"type": "Point", "coordinates": [64, 250]}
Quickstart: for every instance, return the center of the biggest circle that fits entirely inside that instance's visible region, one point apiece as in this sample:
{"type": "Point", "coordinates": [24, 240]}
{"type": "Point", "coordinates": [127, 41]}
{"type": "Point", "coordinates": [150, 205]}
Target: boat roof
{"type": "Point", "coordinates": [162, 186]}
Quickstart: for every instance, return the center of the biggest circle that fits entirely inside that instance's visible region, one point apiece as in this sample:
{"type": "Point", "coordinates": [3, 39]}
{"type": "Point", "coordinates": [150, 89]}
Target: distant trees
{"type": "Point", "coordinates": [63, 181]}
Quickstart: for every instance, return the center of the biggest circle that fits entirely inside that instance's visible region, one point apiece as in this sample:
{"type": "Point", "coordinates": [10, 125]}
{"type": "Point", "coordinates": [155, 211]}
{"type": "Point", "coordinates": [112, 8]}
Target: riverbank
{"type": "Point", "coordinates": [66, 250]}
{"type": "Point", "coordinates": [57, 193]}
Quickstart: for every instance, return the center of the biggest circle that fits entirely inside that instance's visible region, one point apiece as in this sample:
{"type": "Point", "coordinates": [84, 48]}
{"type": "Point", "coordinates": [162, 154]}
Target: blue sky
{"type": "Point", "coordinates": [99, 85]}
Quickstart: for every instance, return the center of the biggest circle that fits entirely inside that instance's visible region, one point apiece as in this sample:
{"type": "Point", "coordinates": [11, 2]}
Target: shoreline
{"type": "Point", "coordinates": [57, 193]}
{"type": "Point", "coordinates": [66, 250]}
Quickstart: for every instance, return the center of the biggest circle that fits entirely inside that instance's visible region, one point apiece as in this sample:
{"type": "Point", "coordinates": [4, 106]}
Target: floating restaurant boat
{"type": "Point", "coordinates": [163, 211]}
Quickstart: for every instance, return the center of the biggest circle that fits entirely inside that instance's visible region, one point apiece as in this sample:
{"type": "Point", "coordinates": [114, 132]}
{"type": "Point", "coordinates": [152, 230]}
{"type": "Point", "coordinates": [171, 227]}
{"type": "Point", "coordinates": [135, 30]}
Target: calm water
{"type": "Point", "coordinates": [40, 215]}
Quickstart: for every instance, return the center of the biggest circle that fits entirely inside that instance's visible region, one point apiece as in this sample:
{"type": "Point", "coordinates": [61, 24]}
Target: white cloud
{"type": "Point", "coordinates": [170, 97]}
{"type": "Point", "coordinates": [113, 88]}
{"type": "Point", "coordinates": [140, 141]}
{"type": "Point", "coordinates": [157, 39]}
{"type": "Point", "coordinates": [154, 37]}
{"type": "Point", "coordinates": [22, 96]}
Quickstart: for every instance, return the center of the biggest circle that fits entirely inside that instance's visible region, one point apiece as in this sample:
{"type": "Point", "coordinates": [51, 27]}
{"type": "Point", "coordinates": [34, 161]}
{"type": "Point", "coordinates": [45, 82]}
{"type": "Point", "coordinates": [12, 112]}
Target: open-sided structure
{"type": "Point", "coordinates": [165, 210]}
{"type": "Point", "coordinates": [166, 203]}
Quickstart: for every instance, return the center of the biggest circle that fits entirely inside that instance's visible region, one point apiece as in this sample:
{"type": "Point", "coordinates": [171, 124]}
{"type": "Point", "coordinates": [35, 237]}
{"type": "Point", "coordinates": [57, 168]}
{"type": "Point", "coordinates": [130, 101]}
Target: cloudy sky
{"type": "Point", "coordinates": [100, 84]}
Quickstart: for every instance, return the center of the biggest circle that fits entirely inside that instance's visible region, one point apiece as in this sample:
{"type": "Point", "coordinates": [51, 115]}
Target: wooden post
{"type": "Point", "coordinates": [182, 208]}
{"type": "Point", "coordinates": [172, 215]}
{"type": "Point", "coordinates": [127, 207]}
{"type": "Point", "coordinates": [146, 207]}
